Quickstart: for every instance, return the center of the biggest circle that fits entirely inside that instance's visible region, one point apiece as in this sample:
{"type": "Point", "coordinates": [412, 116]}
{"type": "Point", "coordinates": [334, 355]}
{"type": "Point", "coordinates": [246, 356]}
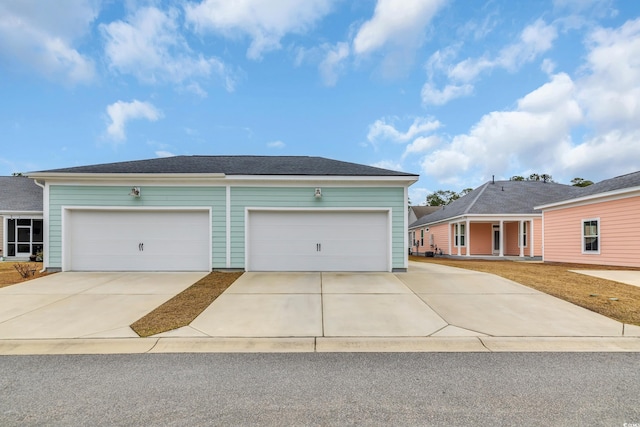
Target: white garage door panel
{"type": "Point", "coordinates": [318, 241]}
{"type": "Point", "coordinates": [110, 241]}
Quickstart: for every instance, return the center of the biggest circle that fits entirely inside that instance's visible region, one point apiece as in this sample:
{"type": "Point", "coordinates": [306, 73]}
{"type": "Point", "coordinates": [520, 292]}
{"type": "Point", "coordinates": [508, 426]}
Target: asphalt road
{"type": "Point", "coordinates": [456, 389]}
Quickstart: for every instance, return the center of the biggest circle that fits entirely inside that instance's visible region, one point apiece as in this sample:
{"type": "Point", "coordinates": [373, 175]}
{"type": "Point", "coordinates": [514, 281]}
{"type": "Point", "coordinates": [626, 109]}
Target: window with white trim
{"type": "Point", "coordinates": [591, 236]}
{"type": "Point", "coordinates": [523, 233]}
{"type": "Point", "coordinates": [459, 234]}
{"type": "Point", "coordinates": [422, 237]}
{"type": "Point", "coordinates": [24, 236]}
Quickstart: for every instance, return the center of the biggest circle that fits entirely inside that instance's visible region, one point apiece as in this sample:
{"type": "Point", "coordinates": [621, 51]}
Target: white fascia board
{"type": "Point", "coordinates": [73, 178]}
{"type": "Point", "coordinates": [330, 179]}
{"type": "Point", "coordinates": [253, 181]}
{"type": "Point", "coordinates": [594, 198]}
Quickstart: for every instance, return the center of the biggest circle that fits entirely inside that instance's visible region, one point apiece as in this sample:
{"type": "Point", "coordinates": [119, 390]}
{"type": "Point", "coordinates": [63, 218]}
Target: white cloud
{"type": "Point", "coordinates": [418, 195]}
{"type": "Point", "coordinates": [588, 126]}
{"type": "Point", "coordinates": [333, 63]}
{"type": "Point", "coordinates": [42, 35]}
{"type": "Point", "coordinates": [381, 130]}
{"type": "Point", "coordinates": [421, 144]}
{"type": "Point", "coordinates": [534, 40]}
{"type": "Point", "coordinates": [611, 89]}
{"type": "Point", "coordinates": [265, 22]}
{"type": "Point", "coordinates": [164, 154]}
{"type": "Point", "coordinates": [395, 23]}
{"type": "Point", "coordinates": [548, 66]}
{"type": "Point", "coordinates": [149, 46]}
{"type": "Point", "coordinates": [276, 144]}
{"type": "Point", "coordinates": [433, 96]}
{"type": "Point", "coordinates": [469, 69]}
{"type": "Point", "coordinates": [534, 134]}
{"type": "Point", "coordinates": [121, 112]}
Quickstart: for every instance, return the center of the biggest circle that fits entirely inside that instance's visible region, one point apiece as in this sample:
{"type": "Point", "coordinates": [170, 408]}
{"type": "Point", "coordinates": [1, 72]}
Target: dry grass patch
{"type": "Point", "coordinates": [10, 276]}
{"type": "Point", "coordinates": [180, 310]}
{"type": "Point", "coordinates": [554, 279]}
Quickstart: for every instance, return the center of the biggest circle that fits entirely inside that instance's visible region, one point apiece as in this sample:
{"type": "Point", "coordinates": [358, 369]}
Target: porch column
{"type": "Point", "coordinates": [458, 234]}
{"type": "Point", "coordinates": [467, 238]}
{"type": "Point", "coordinates": [531, 252]}
{"type": "Point", "coordinates": [450, 240]}
{"type": "Point", "coordinates": [501, 254]}
{"type": "Point", "coordinates": [521, 238]}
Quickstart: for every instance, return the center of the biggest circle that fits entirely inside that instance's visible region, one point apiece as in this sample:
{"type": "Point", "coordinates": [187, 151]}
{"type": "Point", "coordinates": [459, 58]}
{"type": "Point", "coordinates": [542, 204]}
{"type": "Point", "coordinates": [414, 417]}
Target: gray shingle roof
{"type": "Point", "coordinates": [420, 211]}
{"type": "Point", "coordinates": [19, 194]}
{"type": "Point", "coordinates": [235, 165]}
{"type": "Point", "coordinates": [618, 183]}
{"type": "Point", "coordinates": [503, 197]}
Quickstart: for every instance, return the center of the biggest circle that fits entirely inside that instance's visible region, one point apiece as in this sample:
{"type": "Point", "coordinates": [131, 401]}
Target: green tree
{"type": "Point", "coordinates": [442, 197]}
{"type": "Point", "coordinates": [580, 182]}
{"type": "Point", "coordinates": [517, 178]}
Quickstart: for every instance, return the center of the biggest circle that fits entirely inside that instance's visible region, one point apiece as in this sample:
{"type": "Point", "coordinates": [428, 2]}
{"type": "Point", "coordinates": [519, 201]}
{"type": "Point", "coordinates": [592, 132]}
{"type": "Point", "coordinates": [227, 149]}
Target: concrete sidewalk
{"type": "Point", "coordinates": [429, 308]}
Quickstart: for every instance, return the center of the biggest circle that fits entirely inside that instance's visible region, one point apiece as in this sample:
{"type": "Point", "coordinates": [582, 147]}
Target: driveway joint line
{"type": "Point", "coordinates": [157, 341]}
{"type": "Point", "coordinates": [484, 344]}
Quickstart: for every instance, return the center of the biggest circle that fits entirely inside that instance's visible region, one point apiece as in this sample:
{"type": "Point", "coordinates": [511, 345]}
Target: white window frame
{"type": "Point", "coordinates": [460, 233]}
{"type": "Point", "coordinates": [597, 236]}
{"type": "Point", "coordinates": [422, 237]}
{"type": "Point", "coordinates": [524, 233]}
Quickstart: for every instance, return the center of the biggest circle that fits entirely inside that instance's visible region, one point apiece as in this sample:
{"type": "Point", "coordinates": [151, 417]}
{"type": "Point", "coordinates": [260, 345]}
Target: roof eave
{"type": "Point", "coordinates": [66, 176]}
{"type": "Point", "coordinates": [121, 176]}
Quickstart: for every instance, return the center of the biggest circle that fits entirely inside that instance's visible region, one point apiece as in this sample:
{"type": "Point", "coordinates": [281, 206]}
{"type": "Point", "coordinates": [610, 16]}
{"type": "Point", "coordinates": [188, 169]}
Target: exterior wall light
{"type": "Point", "coordinates": [135, 192]}
{"type": "Point", "coordinates": [318, 193]}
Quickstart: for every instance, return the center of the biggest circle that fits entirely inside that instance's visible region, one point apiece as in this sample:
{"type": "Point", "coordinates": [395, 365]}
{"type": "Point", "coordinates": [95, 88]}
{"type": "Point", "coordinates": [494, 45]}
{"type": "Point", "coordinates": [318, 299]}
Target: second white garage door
{"type": "Point", "coordinates": [146, 240]}
{"type": "Point", "coordinates": [318, 241]}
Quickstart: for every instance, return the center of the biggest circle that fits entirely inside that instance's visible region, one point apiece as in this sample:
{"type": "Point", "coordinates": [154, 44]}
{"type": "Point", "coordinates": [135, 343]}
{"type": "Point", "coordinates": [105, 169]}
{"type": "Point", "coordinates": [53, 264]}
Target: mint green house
{"type": "Point", "coordinates": [198, 213]}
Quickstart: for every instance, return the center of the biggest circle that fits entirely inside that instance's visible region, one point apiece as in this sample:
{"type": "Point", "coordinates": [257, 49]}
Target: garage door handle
{"type": "Point", "coordinates": [318, 247]}
{"type": "Point", "coordinates": [141, 247]}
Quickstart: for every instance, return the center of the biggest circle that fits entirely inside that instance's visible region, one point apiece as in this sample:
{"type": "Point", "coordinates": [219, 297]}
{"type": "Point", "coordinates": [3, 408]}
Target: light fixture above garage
{"type": "Point", "coordinates": [135, 192]}
{"type": "Point", "coordinates": [318, 193]}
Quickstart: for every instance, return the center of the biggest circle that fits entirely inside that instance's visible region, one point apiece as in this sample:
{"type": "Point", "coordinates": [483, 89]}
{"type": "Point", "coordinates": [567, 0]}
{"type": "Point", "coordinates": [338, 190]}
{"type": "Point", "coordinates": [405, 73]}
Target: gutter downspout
{"type": "Point", "coordinates": [35, 181]}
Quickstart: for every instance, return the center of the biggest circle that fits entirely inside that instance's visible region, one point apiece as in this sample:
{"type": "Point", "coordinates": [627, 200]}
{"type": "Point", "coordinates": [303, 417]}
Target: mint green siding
{"type": "Point", "coordinates": [214, 197]}
{"type": "Point", "coordinates": [303, 197]}
{"type": "Point", "coordinates": [171, 197]}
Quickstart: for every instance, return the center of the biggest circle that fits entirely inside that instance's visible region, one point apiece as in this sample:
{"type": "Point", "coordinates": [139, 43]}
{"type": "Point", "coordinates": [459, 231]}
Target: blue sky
{"type": "Point", "coordinates": [456, 91]}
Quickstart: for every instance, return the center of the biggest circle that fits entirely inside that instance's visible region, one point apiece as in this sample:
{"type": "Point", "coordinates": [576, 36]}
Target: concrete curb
{"type": "Point", "coordinates": [318, 344]}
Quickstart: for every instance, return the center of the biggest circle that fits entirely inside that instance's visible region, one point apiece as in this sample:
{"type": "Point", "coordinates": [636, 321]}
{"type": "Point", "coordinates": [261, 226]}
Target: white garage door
{"type": "Point", "coordinates": [318, 241]}
{"type": "Point", "coordinates": [138, 241]}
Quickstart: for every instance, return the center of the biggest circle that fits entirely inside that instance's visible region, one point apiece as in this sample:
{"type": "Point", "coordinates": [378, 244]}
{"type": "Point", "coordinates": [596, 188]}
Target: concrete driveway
{"type": "Point", "coordinates": [429, 300]}
{"type": "Point", "coordinates": [88, 305]}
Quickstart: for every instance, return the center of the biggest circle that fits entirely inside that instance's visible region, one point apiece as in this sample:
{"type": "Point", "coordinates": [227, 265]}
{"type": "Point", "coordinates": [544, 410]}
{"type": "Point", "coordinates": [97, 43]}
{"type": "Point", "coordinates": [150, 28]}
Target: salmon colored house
{"type": "Point", "coordinates": [601, 225]}
{"type": "Point", "coordinates": [498, 218]}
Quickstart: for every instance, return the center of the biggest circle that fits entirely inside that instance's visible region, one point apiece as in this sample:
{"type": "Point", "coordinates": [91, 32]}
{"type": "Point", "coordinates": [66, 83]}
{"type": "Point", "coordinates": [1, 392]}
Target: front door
{"type": "Point", "coordinates": [496, 239]}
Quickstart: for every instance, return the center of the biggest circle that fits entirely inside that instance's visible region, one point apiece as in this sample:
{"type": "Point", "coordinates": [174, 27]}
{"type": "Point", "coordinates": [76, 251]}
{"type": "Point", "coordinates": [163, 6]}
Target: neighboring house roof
{"type": "Point", "coordinates": [19, 194]}
{"type": "Point", "coordinates": [618, 183]}
{"type": "Point", "coordinates": [233, 165]}
{"type": "Point", "coordinates": [420, 211]}
{"type": "Point", "coordinates": [500, 198]}
{"type": "Point", "coordinates": [630, 181]}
